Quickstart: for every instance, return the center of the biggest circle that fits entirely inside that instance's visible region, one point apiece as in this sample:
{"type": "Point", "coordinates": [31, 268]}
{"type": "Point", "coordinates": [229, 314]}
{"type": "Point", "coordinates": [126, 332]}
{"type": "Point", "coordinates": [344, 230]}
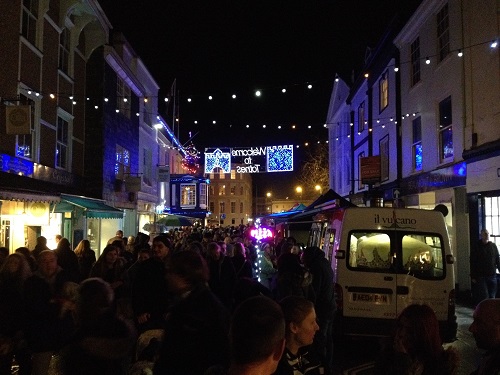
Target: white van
{"type": "Point", "coordinates": [385, 259]}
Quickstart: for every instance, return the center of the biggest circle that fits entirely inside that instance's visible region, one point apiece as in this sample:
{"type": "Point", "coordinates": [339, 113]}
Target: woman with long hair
{"type": "Point", "coordinates": [416, 346]}
{"type": "Point", "coordinates": [110, 267]}
{"type": "Point", "coordinates": [86, 258]}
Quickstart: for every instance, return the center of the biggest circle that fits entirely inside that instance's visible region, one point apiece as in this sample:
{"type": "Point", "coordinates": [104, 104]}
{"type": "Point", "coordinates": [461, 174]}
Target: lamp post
{"type": "Point", "coordinates": [298, 189]}
{"type": "Point", "coordinates": [268, 200]}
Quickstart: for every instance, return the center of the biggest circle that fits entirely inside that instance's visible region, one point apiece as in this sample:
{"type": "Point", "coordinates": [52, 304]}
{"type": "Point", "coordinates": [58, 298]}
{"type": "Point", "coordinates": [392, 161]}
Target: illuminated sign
{"type": "Point", "coordinates": [261, 233]}
{"type": "Point", "coordinates": [250, 159]}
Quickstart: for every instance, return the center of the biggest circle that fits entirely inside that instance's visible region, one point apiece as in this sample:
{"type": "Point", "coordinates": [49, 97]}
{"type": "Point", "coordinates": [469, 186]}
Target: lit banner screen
{"type": "Point", "coordinates": [249, 159]}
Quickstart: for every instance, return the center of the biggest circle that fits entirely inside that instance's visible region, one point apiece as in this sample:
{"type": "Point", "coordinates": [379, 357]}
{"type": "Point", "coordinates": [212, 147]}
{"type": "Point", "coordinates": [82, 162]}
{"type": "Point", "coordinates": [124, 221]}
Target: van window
{"type": "Point", "coordinates": [416, 254]}
{"type": "Point", "coordinates": [370, 250]}
{"type": "Point", "coordinates": [422, 256]}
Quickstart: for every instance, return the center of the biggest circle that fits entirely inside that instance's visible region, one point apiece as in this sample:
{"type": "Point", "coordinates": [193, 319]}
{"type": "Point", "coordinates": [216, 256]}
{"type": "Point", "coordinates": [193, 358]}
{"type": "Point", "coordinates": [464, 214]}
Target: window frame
{"type": "Point", "coordinates": [443, 32]}
{"type": "Point", "coordinates": [415, 61]}
{"type": "Point", "coordinates": [188, 195]}
{"type": "Point", "coordinates": [383, 85]}
{"type": "Point", "coordinates": [416, 143]}
{"type": "Point", "coordinates": [63, 140]}
{"type": "Point", "coordinates": [445, 129]}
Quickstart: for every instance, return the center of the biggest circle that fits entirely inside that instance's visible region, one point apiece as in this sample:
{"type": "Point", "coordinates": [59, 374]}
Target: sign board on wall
{"type": "Point", "coordinates": [370, 169]}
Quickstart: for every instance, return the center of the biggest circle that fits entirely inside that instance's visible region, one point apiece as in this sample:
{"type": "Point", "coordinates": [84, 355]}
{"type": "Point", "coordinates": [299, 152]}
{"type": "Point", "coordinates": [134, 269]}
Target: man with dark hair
{"type": "Point", "coordinates": [486, 331]}
{"type": "Point", "coordinates": [197, 324]}
{"type": "Point", "coordinates": [484, 263]}
{"type": "Point", "coordinates": [149, 287]}
{"type": "Point", "coordinates": [257, 337]}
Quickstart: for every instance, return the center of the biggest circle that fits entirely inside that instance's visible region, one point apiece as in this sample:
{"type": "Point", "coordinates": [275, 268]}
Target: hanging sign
{"type": "Point", "coordinates": [18, 119]}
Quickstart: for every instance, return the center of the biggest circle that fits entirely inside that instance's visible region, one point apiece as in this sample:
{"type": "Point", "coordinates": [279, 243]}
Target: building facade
{"type": "Point", "coordinates": [415, 110]}
{"type": "Point", "coordinates": [81, 142]}
{"type": "Point", "coordinates": [230, 199]}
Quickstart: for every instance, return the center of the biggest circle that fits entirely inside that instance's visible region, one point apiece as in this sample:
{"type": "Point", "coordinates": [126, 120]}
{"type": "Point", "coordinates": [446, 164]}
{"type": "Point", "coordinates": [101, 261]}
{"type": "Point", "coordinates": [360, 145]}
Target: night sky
{"type": "Point", "coordinates": [221, 48]}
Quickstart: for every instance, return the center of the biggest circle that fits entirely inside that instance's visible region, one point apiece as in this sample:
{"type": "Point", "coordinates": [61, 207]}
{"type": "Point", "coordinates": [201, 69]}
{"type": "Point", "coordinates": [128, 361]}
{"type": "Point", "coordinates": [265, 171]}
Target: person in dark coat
{"type": "Point", "coordinates": [222, 274]}
{"type": "Point", "coordinates": [13, 274]}
{"type": "Point", "coordinates": [324, 304]}
{"type": "Point", "coordinates": [67, 259]}
{"type": "Point", "coordinates": [103, 342]}
{"type": "Point", "coordinates": [86, 258]}
{"type": "Point", "coordinates": [150, 296]}
{"type": "Point", "coordinates": [41, 244]}
{"type": "Point", "coordinates": [242, 266]}
{"type": "Point", "coordinates": [197, 324]}
{"type": "Point", "coordinates": [50, 302]}
{"type": "Point", "coordinates": [293, 278]}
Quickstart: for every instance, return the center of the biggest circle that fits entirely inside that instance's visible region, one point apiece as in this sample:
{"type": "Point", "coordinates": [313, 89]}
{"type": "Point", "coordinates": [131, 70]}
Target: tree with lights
{"type": "Point", "coordinates": [315, 170]}
{"type": "Point", "coordinates": [190, 160]}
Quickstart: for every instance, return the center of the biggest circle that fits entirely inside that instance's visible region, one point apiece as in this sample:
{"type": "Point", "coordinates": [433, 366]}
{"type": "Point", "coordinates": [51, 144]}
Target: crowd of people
{"type": "Point", "coordinates": [201, 302]}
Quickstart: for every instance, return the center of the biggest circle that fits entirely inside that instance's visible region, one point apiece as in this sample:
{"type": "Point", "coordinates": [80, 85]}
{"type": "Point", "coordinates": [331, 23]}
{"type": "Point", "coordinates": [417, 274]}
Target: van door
{"type": "Point", "coordinates": [423, 263]}
{"type": "Point", "coordinates": [372, 283]}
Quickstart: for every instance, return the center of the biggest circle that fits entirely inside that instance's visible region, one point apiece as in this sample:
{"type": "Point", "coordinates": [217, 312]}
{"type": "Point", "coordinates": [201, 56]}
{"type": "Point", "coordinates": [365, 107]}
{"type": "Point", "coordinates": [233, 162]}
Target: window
{"type": "Point", "coordinates": [222, 207]}
{"type": "Point", "coordinates": [241, 207]}
{"type": "Point", "coordinates": [64, 39]}
{"type": "Point", "coordinates": [203, 195]}
{"type": "Point", "coordinates": [212, 206]}
{"type": "Point", "coordinates": [188, 195]}
{"type": "Point", "coordinates": [361, 117]}
{"type": "Point", "coordinates": [62, 143]}
{"type": "Point", "coordinates": [233, 174]}
{"type": "Point", "coordinates": [383, 91]}
{"type": "Point", "coordinates": [233, 189]}
{"type": "Point", "coordinates": [241, 190]}
{"type": "Point", "coordinates": [25, 141]}
{"type": "Point", "coordinates": [443, 33]}
{"type": "Point", "coordinates": [147, 166]}
{"type": "Point", "coordinates": [123, 97]}
{"type": "Point", "coordinates": [122, 163]}
{"type": "Point", "coordinates": [417, 144]}
{"type": "Point", "coordinates": [445, 129]}
{"type": "Point", "coordinates": [30, 18]}
{"type": "Point", "coordinates": [233, 207]}
{"type": "Point", "coordinates": [384, 158]}
{"type": "Point", "coordinates": [418, 254]}
{"type": "Point", "coordinates": [360, 184]}
{"type": "Point", "coordinates": [222, 189]}
{"type": "Point", "coordinates": [415, 61]}
{"type": "Point", "coordinates": [492, 218]}
{"type": "Point", "coordinates": [212, 190]}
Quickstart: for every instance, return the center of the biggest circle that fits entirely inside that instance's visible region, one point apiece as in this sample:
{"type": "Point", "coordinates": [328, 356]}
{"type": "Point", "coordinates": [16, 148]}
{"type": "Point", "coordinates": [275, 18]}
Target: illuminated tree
{"type": "Point", "coordinates": [314, 170]}
{"type": "Point", "coordinates": [190, 160]}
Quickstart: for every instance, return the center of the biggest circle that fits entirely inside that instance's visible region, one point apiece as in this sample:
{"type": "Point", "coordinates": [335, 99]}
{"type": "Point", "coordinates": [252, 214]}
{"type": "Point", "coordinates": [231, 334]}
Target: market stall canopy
{"type": "Point", "coordinates": [93, 208]}
{"type": "Point", "coordinates": [175, 221]}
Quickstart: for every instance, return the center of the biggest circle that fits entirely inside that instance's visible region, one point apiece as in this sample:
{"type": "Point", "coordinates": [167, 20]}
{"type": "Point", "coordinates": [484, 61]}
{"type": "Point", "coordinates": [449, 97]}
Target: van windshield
{"type": "Point", "coordinates": [417, 254]}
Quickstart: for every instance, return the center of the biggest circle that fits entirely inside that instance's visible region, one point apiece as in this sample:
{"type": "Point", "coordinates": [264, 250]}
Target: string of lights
{"type": "Point", "coordinates": [310, 85]}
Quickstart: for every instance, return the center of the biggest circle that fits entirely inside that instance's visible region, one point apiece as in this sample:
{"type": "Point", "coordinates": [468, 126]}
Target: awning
{"type": "Point", "coordinates": [28, 196]}
{"type": "Point", "coordinates": [93, 208]}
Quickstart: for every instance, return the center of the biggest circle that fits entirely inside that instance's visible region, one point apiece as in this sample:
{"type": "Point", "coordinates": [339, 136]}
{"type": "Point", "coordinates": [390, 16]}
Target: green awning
{"type": "Point", "coordinates": [92, 208]}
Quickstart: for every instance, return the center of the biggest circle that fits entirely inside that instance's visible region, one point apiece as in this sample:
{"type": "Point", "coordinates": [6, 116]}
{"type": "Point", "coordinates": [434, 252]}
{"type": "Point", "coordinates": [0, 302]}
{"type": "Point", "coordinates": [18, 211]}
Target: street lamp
{"type": "Point", "coordinates": [268, 199]}
{"type": "Point", "coordinates": [318, 189]}
{"type": "Point", "coordinates": [298, 189]}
